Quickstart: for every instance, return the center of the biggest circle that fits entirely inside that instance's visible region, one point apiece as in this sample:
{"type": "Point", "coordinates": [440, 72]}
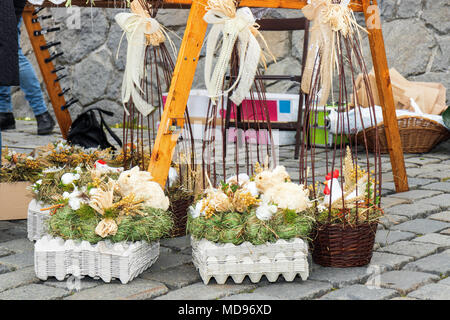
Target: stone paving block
{"type": "Point", "coordinates": [340, 277]}
{"type": "Point", "coordinates": [33, 292]}
{"type": "Point", "coordinates": [174, 278]}
{"type": "Point", "coordinates": [18, 245]}
{"type": "Point", "coordinates": [421, 226]}
{"type": "Point", "coordinates": [414, 195]}
{"type": "Point", "coordinates": [389, 220]}
{"type": "Point", "coordinates": [442, 241]}
{"type": "Point", "coordinates": [441, 216]}
{"type": "Point", "coordinates": [446, 232]}
{"type": "Point", "coordinates": [411, 248]}
{"type": "Point", "coordinates": [386, 237]}
{"type": "Point", "coordinates": [296, 290]}
{"type": "Point", "coordinates": [73, 283]}
{"type": "Point", "coordinates": [19, 260]}
{"type": "Point", "coordinates": [445, 281]}
{"type": "Point", "coordinates": [360, 292]}
{"type": "Point", "coordinates": [441, 186]}
{"type": "Point", "coordinates": [442, 200]}
{"type": "Point", "coordinates": [390, 201]}
{"type": "Point", "coordinates": [5, 252]}
{"type": "Point", "coordinates": [5, 236]}
{"type": "Point", "coordinates": [5, 269]}
{"type": "Point", "coordinates": [138, 289]}
{"type": "Point", "coordinates": [169, 260]}
{"type": "Point", "coordinates": [177, 244]}
{"type": "Point", "coordinates": [434, 291]}
{"type": "Point", "coordinates": [437, 264]}
{"type": "Point", "coordinates": [387, 261]}
{"type": "Point", "coordinates": [422, 160]}
{"type": "Point", "coordinates": [250, 296]}
{"type": "Point", "coordinates": [17, 278]}
{"type": "Point", "coordinates": [199, 291]}
{"type": "Point", "coordinates": [405, 281]}
{"type": "Point", "coordinates": [419, 182]}
{"type": "Point", "coordinates": [6, 225]}
{"type": "Point", "coordinates": [413, 211]}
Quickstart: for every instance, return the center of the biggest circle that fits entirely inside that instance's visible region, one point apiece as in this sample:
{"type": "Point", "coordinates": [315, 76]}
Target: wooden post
{"type": "Point", "coordinates": [373, 23]}
{"type": "Point", "coordinates": [172, 120]}
{"type": "Point", "coordinates": [53, 87]}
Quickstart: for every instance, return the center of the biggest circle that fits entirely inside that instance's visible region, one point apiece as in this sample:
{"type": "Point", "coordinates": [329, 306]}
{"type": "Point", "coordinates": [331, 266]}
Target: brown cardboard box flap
{"type": "Point", "coordinates": [429, 96]}
{"type": "Point", "coordinates": [14, 200]}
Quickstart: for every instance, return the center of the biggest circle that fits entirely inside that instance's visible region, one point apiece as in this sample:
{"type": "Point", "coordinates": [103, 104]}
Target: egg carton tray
{"type": "Point", "coordinates": [220, 261]}
{"type": "Point", "coordinates": [54, 257]}
{"type": "Point", "coordinates": [37, 220]}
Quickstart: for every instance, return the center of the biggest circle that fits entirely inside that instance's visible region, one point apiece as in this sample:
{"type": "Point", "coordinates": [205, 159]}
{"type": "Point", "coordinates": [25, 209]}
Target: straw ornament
{"type": "Point", "coordinates": [141, 31]}
{"type": "Point", "coordinates": [234, 25]}
{"type": "Point", "coordinates": [329, 21]}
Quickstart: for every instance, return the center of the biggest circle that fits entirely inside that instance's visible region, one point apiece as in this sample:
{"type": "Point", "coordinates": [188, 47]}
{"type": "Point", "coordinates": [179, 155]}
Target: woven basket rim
{"type": "Point", "coordinates": [406, 117]}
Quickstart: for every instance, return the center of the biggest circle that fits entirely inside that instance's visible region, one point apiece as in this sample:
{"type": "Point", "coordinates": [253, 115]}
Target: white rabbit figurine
{"type": "Point", "coordinates": [141, 185]}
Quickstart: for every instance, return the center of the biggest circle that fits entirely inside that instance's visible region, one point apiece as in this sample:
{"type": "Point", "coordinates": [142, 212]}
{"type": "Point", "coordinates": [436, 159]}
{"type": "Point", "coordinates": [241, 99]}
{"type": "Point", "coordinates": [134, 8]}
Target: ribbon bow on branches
{"type": "Point", "coordinates": [329, 20]}
{"type": "Point", "coordinates": [141, 30]}
{"type": "Point", "coordinates": [234, 25]}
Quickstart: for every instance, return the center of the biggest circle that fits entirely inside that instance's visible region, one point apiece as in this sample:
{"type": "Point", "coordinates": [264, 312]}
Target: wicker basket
{"type": "Point", "coordinates": [342, 246]}
{"type": "Point", "coordinates": [179, 209]}
{"type": "Point", "coordinates": [418, 135]}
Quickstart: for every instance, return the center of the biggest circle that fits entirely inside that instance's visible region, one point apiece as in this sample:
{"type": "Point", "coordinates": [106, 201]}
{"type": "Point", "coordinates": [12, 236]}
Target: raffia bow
{"type": "Point", "coordinates": [329, 19]}
{"type": "Point", "coordinates": [234, 25]}
{"type": "Point", "coordinates": [141, 30]}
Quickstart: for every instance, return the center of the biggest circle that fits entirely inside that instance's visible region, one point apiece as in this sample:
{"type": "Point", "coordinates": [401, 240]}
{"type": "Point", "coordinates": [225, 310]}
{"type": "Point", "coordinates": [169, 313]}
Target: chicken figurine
{"type": "Point", "coordinates": [332, 188]}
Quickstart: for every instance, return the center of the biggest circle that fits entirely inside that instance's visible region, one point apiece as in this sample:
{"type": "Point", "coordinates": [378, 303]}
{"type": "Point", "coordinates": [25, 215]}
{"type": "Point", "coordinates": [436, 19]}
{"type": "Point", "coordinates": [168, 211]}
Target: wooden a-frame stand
{"type": "Point", "coordinates": [188, 56]}
{"type": "Point", "coordinates": [173, 115]}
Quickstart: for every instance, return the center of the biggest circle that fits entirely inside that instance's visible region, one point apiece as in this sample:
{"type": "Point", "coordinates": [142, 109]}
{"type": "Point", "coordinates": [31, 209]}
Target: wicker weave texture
{"type": "Point", "coordinates": [418, 135]}
{"type": "Point", "coordinates": [343, 246]}
{"type": "Point", "coordinates": [179, 209]}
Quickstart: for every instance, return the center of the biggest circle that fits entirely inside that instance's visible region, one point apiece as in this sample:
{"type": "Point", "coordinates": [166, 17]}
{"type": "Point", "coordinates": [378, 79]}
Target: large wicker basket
{"type": "Point", "coordinates": [343, 246]}
{"type": "Point", "coordinates": [418, 135]}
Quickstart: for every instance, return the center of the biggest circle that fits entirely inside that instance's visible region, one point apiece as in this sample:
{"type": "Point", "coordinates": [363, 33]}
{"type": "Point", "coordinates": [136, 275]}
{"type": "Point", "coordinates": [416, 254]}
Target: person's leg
{"type": "Point", "coordinates": [5, 99]}
{"type": "Point", "coordinates": [6, 116]}
{"type": "Point", "coordinates": [29, 83]}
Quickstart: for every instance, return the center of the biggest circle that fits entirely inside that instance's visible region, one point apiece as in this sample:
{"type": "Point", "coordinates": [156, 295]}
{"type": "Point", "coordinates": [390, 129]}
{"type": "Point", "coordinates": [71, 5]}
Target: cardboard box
{"type": "Point", "coordinates": [281, 108]}
{"type": "Point", "coordinates": [14, 200]}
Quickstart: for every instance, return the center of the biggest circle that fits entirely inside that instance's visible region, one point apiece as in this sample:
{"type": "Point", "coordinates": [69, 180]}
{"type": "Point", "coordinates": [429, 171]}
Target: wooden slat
{"type": "Point", "coordinates": [386, 97]}
{"type": "Point", "coordinates": [288, 4]}
{"type": "Point", "coordinates": [177, 98]}
{"type": "Point", "coordinates": [53, 88]}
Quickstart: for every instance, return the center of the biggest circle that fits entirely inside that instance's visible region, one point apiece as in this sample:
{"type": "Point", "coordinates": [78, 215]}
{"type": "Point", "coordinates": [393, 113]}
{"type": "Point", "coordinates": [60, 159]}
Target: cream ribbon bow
{"type": "Point", "coordinates": [235, 28]}
{"type": "Point", "coordinates": [135, 27]}
{"type": "Point", "coordinates": [141, 30]}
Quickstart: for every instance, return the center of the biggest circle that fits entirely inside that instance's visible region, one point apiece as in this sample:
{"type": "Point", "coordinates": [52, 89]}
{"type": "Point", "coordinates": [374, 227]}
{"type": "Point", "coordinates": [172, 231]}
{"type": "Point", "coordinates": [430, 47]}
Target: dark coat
{"type": "Point", "coordinates": [10, 12]}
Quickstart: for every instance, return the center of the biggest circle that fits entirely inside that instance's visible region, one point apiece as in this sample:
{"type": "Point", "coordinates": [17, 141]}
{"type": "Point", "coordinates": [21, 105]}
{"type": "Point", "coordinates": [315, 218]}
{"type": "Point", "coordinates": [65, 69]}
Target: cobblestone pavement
{"type": "Point", "coordinates": [411, 258]}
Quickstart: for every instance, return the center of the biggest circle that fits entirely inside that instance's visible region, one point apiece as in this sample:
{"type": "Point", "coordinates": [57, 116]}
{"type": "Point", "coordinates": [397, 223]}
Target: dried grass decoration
{"type": "Point", "coordinates": [356, 202]}
{"type": "Point", "coordinates": [16, 167]}
{"type": "Point", "coordinates": [253, 209]}
{"type": "Point", "coordinates": [61, 154]}
{"type": "Point", "coordinates": [113, 211]}
{"type": "Point", "coordinates": [56, 184]}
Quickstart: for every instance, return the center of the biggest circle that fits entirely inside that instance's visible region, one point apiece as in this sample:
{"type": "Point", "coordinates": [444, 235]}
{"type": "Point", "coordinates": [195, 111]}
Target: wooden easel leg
{"type": "Point", "coordinates": [373, 23]}
{"type": "Point", "coordinates": [53, 87]}
{"type": "Point", "coordinates": [172, 120]}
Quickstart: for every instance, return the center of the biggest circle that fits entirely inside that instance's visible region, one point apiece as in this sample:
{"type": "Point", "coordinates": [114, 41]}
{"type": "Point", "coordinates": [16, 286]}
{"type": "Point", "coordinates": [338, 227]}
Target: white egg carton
{"type": "Point", "coordinates": [37, 220]}
{"type": "Point", "coordinates": [219, 261]}
{"type": "Point", "coordinates": [54, 257]}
